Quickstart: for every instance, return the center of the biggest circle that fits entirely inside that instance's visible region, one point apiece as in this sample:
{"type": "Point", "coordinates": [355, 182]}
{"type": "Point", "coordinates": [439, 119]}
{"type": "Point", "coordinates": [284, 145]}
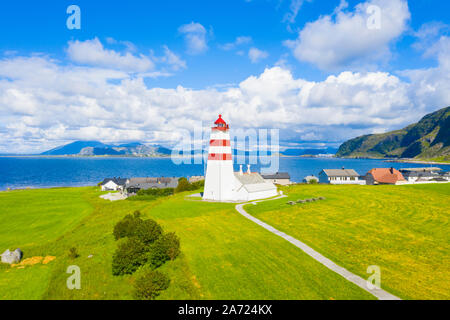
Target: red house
{"type": "Point", "coordinates": [384, 176]}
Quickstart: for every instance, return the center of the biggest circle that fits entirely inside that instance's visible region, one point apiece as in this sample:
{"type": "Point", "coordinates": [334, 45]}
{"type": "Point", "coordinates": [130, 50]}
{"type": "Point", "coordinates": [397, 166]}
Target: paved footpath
{"type": "Point", "coordinates": [360, 282]}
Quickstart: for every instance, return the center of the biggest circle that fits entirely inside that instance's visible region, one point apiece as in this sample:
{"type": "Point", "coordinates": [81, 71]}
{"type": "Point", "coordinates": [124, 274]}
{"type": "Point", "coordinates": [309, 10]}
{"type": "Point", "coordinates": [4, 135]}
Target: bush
{"type": "Point", "coordinates": [183, 185]}
{"type": "Point", "coordinates": [156, 192]}
{"type": "Point", "coordinates": [125, 227]}
{"type": "Point", "coordinates": [133, 226]}
{"type": "Point", "coordinates": [150, 284]}
{"type": "Point", "coordinates": [167, 247]}
{"type": "Point", "coordinates": [198, 184]}
{"type": "Point", "coordinates": [146, 230]}
{"type": "Point", "coordinates": [73, 253]}
{"type": "Point", "coordinates": [313, 181]}
{"type": "Point", "coordinates": [129, 256]}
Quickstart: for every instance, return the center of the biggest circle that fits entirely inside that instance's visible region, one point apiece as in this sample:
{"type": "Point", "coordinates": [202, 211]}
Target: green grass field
{"type": "Point", "coordinates": [402, 229]}
{"type": "Point", "coordinates": [224, 255]}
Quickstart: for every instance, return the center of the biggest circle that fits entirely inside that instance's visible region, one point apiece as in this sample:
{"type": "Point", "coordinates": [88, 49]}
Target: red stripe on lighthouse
{"type": "Point", "coordinates": [219, 143]}
{"type": "Point", "coordinates": [219, 156]}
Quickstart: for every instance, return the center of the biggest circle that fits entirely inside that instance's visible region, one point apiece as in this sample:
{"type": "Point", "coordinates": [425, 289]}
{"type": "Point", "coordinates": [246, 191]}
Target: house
{"type": "Point", "coordinates": [113, 184]}
{"type": "Point", "coordinates": [251, 186]}
{"type": "Point", "coordinates": [419, 176]}
{"type": "Point", "coordinates": [340, 176]}
{"type": "Point", "coordinates": [309, 179]}
{"type": "Point", "coordinates": [281, 178]}
{"type": "Point", "coordinates": [384, 176]}
{"type": "Point", "coordinates": [135, 184]}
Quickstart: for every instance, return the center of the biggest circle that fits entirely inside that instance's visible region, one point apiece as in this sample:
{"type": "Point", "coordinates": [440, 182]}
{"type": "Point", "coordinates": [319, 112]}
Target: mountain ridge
{"type": "Point", "coordinates": [429, 138]}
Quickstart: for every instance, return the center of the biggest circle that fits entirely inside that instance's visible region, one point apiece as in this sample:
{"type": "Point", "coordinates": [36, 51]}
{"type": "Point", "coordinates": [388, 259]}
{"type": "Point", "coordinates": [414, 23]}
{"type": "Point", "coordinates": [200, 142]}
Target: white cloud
{"type": "Point", "coordinates": [92, 52]}
{"type": "Point", "coordinates": [257, 55]}
{"type": "Point", "coordinates": [239, 41]}
{"type": "Point", "coordinates": [294, 8]}
{"type": "Point", "coordinates": [343, 39]}
{"type": "Point", "coordinates": [173, 60]}
{"type": "Point", "coordinates": [44, 103]}
{"type": "Point", "coordinates": [195, 37]}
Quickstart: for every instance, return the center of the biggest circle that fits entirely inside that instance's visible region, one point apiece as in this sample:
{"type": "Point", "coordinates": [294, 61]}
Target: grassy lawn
{"type": "Point", "coordinates": [403, 229]}
{"type": "Point", "coordinates": [224, 256]}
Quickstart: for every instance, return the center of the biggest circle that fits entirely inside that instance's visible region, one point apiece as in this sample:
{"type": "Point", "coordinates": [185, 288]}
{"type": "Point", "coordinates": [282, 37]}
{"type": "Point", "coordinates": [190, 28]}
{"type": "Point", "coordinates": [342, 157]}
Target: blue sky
{"type": "Point", "coordinates": [309, 68]}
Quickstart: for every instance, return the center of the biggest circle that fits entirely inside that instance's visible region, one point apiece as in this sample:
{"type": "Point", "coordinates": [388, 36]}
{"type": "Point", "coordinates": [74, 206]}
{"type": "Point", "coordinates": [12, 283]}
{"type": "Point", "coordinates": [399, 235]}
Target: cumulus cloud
{"type": "Point", "coordinates": [44, 103]}
{"type": "Point", "coordinates": [195, 37]}
{"type": "Point", "coordinates": [92, 52]}
{"type": "Point", "coordinates": [344, 39]}
{"type": "Point", "coordinates": [257, 55]}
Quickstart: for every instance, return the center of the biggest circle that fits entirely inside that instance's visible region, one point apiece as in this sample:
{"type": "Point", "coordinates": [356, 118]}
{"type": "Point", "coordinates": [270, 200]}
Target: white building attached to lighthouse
{"type": "Point", "coordinates": [221, 183]}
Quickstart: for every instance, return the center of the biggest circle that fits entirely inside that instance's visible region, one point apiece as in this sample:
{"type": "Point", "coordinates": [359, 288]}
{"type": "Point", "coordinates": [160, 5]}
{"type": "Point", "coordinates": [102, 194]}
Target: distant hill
{"type": "Point", "coordinates": [426, 139]}
{"type": "Point", "coordinates": [96, 148]}
{"type": "Point", "coordinates": [311, 151]}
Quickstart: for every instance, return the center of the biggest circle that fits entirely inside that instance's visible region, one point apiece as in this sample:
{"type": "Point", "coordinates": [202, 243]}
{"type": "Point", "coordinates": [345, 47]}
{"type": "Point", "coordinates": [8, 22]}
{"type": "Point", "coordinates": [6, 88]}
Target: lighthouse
{"type": "Point", "coordinates": [219, 179]}
{"type": "Point", "coordinates": [221, 183]}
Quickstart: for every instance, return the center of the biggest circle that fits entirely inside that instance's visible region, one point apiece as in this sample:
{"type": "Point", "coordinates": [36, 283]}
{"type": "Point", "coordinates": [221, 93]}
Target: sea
{"type": "Point", "coordinates": [47, 172]}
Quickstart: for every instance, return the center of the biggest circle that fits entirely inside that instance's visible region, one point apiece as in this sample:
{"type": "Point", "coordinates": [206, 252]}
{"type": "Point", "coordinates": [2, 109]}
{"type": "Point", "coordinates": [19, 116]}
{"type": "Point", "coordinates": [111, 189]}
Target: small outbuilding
{"type": "Point", "coordinates": [310, 179]}
{"type": "Point", "coordinates": [281, 178]}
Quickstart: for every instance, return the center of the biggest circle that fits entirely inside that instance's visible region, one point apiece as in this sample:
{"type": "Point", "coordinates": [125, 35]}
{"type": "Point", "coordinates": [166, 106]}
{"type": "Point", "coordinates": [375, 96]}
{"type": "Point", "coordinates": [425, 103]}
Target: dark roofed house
{"type": "Point", "coordinates": [113, 184]}
{"type": "Point", "coordinates": [340, 176]}
{"type": "Point", "coordinates": [281, 178]}
{"type": "Point", "coordinates": [135, 184]}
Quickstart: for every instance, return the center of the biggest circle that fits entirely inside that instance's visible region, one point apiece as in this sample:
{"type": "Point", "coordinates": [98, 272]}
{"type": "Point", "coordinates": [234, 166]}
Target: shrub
{"type": "Point", "coordinates": [183, 185]}
{"type": "Point", "coordinates": [146, 230]}
{"type": "Point", "coordinates": [73, 253]}
{"type": "Point", "coordinates": [129, 256]}
{"type": "Point", "coordinates": [156, 192]}
{"type": "Point", "coordinates": [133, 226]}
{"type": "Point", "coordinates": [124, 227]}
{"type": "Point", "coordinates": [167, 247]}
{"type": "Point", "coordinates": [313, 181]}
{"type": "Point", "coordinates": [150, 284]}
{"type": "Point", "coordinates": [198, 184]}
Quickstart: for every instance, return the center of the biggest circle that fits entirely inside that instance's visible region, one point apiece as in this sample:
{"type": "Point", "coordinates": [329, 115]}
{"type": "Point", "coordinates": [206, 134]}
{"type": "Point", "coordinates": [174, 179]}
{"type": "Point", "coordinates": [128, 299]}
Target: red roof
{"type": "Point", "coordinates": [220, 120]}
{"type": "Point", "coordinates": [386, 175]}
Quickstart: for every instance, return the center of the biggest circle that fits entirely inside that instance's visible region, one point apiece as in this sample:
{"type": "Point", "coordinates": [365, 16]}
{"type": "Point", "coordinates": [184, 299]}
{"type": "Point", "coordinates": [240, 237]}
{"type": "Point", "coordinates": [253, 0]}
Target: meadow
{"type": "Point", "coordinates": [402, 229]}
{"type": "Point", "coordinates": [224, 256]}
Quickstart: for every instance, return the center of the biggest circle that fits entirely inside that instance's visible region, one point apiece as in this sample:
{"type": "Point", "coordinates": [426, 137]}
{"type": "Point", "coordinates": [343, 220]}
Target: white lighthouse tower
{"type": "Point", "coordinates": [219, 179]}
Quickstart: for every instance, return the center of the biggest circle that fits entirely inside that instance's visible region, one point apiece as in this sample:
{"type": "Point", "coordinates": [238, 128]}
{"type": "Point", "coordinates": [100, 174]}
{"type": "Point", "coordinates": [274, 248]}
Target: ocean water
{"type": "Point", "coordinates": [46, 172]}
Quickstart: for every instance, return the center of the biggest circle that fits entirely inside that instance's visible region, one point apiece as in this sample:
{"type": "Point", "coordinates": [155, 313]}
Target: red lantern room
{"type": "Point", "coordinates": [220, 124]}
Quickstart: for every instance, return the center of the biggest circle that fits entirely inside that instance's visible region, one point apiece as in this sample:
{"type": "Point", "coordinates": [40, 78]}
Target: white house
{"type": "Point", "coordinates": [340, 176]}
{"type": "Point", "coordinates": [113, 184]}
